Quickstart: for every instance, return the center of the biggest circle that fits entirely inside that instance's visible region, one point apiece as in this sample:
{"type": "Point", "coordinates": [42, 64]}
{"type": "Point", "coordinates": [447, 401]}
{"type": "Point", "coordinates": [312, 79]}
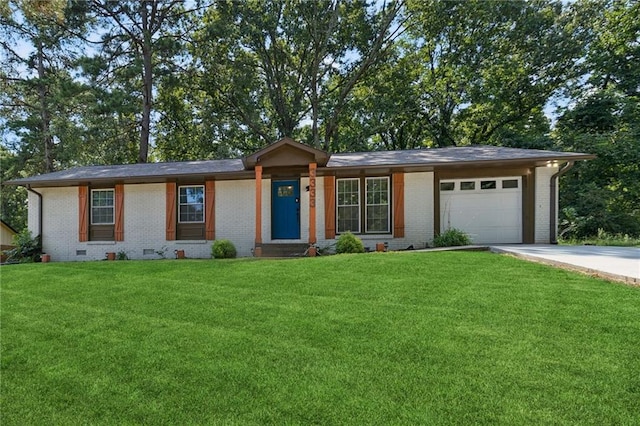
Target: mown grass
{"type": "Point", "coordinates": [411, 338]}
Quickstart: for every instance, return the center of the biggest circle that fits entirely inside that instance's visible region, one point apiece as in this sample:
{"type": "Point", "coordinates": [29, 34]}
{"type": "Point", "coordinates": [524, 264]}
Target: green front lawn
{"type": "Point", "coordinates": [406, 338]}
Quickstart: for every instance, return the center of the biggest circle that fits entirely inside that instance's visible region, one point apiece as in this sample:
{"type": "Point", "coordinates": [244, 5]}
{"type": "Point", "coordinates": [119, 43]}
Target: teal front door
{"type": "Point", "coordinates": [285, 209]}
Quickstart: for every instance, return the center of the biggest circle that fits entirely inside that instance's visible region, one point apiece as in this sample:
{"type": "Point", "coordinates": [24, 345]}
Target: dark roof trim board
{"type": "Point", "coordinates": [475, 156]}
{"type": "Point", "coordinates": [8, 226]}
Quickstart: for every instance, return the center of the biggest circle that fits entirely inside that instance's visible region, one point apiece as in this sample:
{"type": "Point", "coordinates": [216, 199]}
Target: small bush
{"type": "Point", "coordinates": [349, 243]}
{"type": "Point", "coordinates": [223, 249]}
{"type": "Point", "coordinates": [451, 237]}
{"type": "Point", "coordinates": [27, 248]}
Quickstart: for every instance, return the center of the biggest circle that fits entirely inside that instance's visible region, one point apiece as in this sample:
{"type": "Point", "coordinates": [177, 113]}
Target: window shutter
{"type": "Point", "coordinates": [329, 207]}
{"type": "Point", "coordinates": [210, 210]}
{"type": "Point", "coordinates": [171, 211]}
{"type": "Point", "coordinates": [83, 209]}
{"type": "Point", "coordinates": [398, 205]}
{"type": "Point", "coordinates": [119, 207]}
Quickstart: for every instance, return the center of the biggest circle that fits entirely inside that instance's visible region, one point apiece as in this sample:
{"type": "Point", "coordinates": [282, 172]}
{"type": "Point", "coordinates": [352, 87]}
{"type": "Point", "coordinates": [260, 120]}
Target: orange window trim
{"type": "Point", "coordinates": [171, 211]}
{"type": "Point", "coordinates": [119, 206]}
{"type": "Point", "coordinates": [209, 210]}
{"type": "Point", "coordinates": [329, 207]}
{"type": "Point", "coordinates": [83, 210]}
{"type": "Point", "coordinates": [398, 205]}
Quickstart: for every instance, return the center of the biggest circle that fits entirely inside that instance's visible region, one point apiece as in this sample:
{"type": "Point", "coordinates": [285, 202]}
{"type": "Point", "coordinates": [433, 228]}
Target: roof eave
{"type": "Point", "coordinates": [129, 179]}
{"type": "Point", "coordinates": [538, 161]}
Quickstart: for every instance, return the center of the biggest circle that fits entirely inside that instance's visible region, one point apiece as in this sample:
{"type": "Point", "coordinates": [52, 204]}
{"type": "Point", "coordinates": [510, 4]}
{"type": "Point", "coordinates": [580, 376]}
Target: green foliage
{"type": "Point", "coordinates": [290, 62]}
{"type": "Point", "coordinates": [450, 238]}
{"type": "Point", "coordinates": [27, 249]}
{"type": "Point", "coordinates": [223, 249]}
{"type": "Point", "coordinates": [603, 193]}
{"type": "Point", "coordinates": [604, 238]}
{"type": "Point", "coordinates": [349, 243]}
{"type": "Point", "coordinates": [122, 255]}
{"type": "Point", "coordinates": [480, 59]}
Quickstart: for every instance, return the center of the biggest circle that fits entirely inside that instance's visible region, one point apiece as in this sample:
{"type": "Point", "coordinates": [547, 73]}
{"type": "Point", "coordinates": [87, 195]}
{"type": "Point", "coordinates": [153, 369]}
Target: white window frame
{"type": "Point", "coordinates": [340, 231]}
{"type": "Point", "coordinates": [112, 207]}
{"type": "Point", "coordinates": [366, 204]}
{"type": "Point", "coordinates": [187, 204]}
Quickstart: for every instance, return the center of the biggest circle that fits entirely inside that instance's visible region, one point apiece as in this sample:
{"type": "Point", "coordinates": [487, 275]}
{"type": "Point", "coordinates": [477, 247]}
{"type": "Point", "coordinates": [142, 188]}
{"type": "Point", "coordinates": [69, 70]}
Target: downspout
{"type": "Point", "coordinates": [554, 203]}
{"type": "Point", "coordinates": [39, 212]}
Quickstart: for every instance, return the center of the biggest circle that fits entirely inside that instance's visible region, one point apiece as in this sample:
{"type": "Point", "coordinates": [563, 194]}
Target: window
{"type": "Point", "coordinates": [191, 204]}
{"type": "Point", "coordinates": [348, 205]}
{"type": "Point", "coordinates": [510, 183]}
{"type": "Point", "coordinates": [285, 191]}
{"type": "Point", "coordinates": [447, 186]}
{"type": "Point", "coordinates": [376, 214]}
{"type": "Point", "coordinates": [488, 184]}
{"type": "Point", "coordinates": [377, 211]}
{"type": "Point", "coordinates": [102, 206]}
{"type": "Point", "coordinates": [467, 186]}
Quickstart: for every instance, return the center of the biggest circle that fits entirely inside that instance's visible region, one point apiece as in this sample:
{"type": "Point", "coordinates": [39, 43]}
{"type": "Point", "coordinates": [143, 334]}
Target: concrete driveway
{"type": "Point", "coordinates": [618, 263]}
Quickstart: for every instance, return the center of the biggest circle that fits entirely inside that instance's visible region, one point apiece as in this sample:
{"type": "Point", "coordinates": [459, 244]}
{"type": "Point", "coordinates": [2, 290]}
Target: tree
{"type": "Point", "coordinates": [488, 65]}
{"type": "Point", "coordinates": [384, 112]}
{"type": "Point", "coordinates": [272, 65]}
{"type": "Point", "coordinates": [36, 80]}
{"type": "Point", "coordinates": [605, 120]}
{"type": "Point", "coordinates": [13, 200]}
{"type": "Point", "coordinates": [141, 37]}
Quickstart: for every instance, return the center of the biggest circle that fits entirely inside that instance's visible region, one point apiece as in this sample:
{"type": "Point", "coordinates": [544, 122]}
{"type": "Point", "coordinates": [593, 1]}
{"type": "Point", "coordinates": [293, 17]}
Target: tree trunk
{"type": "Point", "coordinates": [147, 86]}
{"type": "Point", "coordinates": [45, 115]}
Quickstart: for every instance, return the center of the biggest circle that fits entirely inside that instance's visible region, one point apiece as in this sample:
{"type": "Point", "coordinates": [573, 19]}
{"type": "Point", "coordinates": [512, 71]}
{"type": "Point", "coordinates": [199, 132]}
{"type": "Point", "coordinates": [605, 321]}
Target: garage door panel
{"type": "Point", "coordinates": [489, 216]}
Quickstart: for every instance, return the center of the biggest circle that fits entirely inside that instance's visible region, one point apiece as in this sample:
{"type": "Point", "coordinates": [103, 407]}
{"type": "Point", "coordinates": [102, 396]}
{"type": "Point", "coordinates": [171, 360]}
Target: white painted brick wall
{"type": "Point", "coordinates": [418, 208]}
{"type": "Point", "coordinates": [59, 223]}
{"type": "Point", "coordinates": [236, 213]}
{"type": "Point", "coordinates": [543, 194]}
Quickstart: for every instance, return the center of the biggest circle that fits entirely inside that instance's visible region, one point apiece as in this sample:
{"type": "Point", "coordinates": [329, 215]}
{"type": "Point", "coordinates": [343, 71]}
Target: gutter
{"type": "Point", "coordinates": [39, 212]}
{"type": "Point", "coordinates": [553, 230]}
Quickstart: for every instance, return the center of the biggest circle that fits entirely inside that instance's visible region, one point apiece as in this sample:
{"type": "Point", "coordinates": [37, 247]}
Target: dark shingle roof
{"type": "Point", "coordinates": [444, 156]}
{"type": "Point", "coordinates": [157, 172]}
{"type": "Point", "coordinates": [139, 171]}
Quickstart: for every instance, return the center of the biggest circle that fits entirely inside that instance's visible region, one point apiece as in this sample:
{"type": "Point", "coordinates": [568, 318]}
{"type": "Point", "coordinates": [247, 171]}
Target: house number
{"type": "Point", "coordinates": [312, 188]}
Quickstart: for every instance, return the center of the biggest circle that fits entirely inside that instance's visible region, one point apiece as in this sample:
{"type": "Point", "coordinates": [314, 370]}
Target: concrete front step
{"type": "Point", "coordinates": [284, 250]}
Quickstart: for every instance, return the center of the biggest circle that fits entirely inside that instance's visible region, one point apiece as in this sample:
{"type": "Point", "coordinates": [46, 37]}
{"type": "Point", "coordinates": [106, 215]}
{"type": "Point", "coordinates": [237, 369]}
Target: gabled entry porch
{"type": "Point", "coordinates": [285, 163]}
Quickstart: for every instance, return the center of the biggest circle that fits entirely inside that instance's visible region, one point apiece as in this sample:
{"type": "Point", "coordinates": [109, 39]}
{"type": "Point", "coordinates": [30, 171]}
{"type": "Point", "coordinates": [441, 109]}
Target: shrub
{"type": "Point", "coordinates": [27, 248]}
{"type": "Point", "coordinates": [451, 237]}
{"type": "Point", "coordinates": [223, 249]}
{"type": "Point", "coordinates": [349, 243]}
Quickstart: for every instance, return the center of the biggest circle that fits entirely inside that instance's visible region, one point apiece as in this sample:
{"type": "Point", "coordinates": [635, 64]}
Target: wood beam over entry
{"type": "Point", "coordinates": [312, 202]}
{"type": "Point", "coordinates": [258, 242]}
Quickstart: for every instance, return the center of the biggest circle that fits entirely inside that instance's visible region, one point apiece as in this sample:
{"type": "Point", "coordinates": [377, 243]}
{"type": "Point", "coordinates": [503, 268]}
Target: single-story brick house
{"type": "Point", "coordinates": [292, 194]}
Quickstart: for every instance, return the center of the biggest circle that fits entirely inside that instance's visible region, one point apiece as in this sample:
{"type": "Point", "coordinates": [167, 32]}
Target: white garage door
{"type": "Point", "coordinates": [488, 209]}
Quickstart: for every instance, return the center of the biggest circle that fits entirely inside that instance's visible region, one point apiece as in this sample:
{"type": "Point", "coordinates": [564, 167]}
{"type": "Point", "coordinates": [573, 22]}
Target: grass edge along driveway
{"type": "Point", "coordinates": [431, 338]}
